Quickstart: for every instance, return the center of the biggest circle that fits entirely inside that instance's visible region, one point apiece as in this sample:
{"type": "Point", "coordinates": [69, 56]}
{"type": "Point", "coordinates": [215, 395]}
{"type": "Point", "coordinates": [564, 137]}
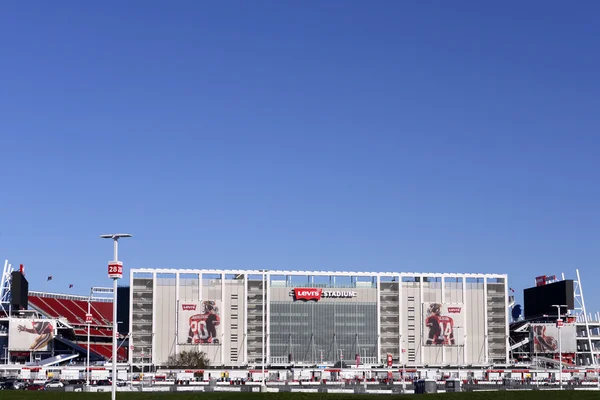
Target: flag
{"type": "Point", "coordinates": [512, 290]}
{"type": "Point", "coordinates": [49, 278]}
{"type": "Point", "coordinates": [70, 286]}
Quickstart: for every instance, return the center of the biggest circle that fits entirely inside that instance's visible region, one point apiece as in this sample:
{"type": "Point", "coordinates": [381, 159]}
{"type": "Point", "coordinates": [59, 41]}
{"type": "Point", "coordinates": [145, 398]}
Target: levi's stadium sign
{"type": "Point", "coordinates": [308, 294]}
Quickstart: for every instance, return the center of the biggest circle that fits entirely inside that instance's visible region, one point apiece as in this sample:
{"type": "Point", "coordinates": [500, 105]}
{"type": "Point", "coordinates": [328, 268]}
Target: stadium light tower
{"type": "Point", "coordinates": [559, 324]}
{"type": "Point", "coordinates": [115, 272]}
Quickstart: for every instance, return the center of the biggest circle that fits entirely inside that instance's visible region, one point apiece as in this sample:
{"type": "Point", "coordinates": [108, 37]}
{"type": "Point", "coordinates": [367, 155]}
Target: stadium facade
{"type": "Point", "coordinates": [319, 317]}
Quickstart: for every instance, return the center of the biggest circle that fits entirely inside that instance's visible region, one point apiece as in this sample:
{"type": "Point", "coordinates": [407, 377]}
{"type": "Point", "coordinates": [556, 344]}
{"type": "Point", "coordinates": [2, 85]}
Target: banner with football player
{"type": "Point", "coordinates": [545, 338]}
{"type": "Point", "coordinates": [443, 324]}
{"type": "Point", "coordinates": [30, 334]}
{"type": "Point", "coordinates": [199, 322]}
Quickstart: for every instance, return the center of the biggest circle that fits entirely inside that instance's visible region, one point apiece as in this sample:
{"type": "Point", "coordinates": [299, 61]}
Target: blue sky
{"type": "Point", "coordinates": [344, 135]}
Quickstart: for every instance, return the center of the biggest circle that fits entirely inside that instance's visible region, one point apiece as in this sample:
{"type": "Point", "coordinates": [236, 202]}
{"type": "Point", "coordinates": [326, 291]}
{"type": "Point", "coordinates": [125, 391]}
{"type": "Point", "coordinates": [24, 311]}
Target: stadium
{"type": "Point", "coordinates": [320, 317]}
{"type": "Point", "coordinates": [277, 325]}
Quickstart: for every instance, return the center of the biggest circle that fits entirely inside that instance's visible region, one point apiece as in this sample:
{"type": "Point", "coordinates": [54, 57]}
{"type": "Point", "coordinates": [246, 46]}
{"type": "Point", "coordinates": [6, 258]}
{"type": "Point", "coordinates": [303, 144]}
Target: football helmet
{"type": "Point", "coordinates": [434, 308]}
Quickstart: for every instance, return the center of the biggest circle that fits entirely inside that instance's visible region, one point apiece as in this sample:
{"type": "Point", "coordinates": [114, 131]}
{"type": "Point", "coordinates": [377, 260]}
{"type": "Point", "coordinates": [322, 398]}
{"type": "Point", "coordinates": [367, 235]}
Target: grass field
{"type": "Point", "coordinates": [503, 395]}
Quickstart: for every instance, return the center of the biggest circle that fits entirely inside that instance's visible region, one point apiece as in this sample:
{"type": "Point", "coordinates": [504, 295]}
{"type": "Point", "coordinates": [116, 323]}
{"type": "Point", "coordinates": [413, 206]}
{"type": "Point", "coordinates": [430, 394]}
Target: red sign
{"type": "Point", "coordinates": [540, 280]}
{"type": "Point", "coordinates": [115, 269]}
{"type": "Point", "coordinates": [88, 318]}
{"type": "Point", "coordinates": [404, 350]}
{"type": "Point", "coordinates": [454, 310]}
{"type": "Point", "coordinates": [559, 323]}
{"type": "Point", "coordinates": [390, 360]}
{"type": "Point", "coordinates": [188, 307]}
{"type": "Point", "coordinates": [307, 294]}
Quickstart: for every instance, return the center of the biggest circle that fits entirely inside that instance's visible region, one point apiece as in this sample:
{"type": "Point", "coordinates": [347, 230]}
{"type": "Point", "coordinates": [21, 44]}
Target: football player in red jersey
{"type": "Point", "coordinates": [203, 327]}
{"type": "Point", "coordinates": [44, 329]}
{"type": "Point", "coordinates": [441, 327]}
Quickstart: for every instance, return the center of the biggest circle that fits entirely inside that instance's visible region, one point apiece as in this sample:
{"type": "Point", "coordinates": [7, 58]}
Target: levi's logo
{"type": "Point", "coordinates": [307, 294]}
{"type": "Point", "coordinates": [188, 307]}
{"type": "Point", "coordinates": [454, 310]}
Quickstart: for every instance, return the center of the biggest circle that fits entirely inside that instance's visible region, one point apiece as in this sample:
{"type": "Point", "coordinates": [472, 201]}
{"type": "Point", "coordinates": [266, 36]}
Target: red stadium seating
{"type": "Point", "coordinates": [104, 309]}
{"type": "Point", "coordinates": [52, 308]}
{"type": "Point", "coordinates": [74, 311]}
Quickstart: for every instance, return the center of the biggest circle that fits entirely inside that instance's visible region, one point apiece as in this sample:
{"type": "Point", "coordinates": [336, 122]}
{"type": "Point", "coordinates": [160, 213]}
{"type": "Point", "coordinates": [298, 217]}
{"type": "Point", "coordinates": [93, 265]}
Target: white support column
{"type": "Point", "coordinates": [421, 347]}
{"type": "Point", "coordinates": [506, 319]}
{"type": "Point", "coordinates": [400, 321]}
{"type": "Point", "coordinates": [177, 301]}
{"type": "Point", "coordinates": [485, 322]}
{"type": "Point", "coordinates": [268, 314]}
{"type": "Point", "coordinates": [245, 319]}
{"type": "Point", "coordinates": [153, 339]}
{"type": "Point", "coordinates": [225, 315]}
{"type": "Point", "coordinates": [130, 319]}
{"type": "Point", "coordinates": [378, 290]}
{"type": "Point", "coordinates": [465, 333]}
{"type": "Point", "coordinates": [200, 280]}
{"type": "Point", "coordinates": [443, 348]}
{"type": "Point", "coordinates": [587, 324]}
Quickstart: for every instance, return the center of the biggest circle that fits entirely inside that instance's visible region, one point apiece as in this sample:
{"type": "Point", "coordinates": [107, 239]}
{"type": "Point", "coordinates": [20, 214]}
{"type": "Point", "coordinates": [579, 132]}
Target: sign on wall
{"type": "Point", "coordinates": [442, 324]}
{"type": "Point", "coordinates": [30, 334]}
{"type": "Point", "coordinates": [545, 338]}
{"type": "Point", "coordinates": [199, 322]}
{"type": "Point", "coordinates": [316, 294]}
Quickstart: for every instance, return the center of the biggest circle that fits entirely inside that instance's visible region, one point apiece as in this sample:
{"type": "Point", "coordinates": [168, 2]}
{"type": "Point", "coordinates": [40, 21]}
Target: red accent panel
{"type": "Point", "coordinates": [307, 294]}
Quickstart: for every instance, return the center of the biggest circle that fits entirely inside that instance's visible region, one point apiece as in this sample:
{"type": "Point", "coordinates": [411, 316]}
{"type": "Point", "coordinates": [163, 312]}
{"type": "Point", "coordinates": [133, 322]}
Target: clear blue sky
{"type": "Point", "coordinates": [373, 135]}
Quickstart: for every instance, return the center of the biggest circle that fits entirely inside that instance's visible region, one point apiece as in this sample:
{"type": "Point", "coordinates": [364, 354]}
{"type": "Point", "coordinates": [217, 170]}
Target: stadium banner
{"type": "Point", "coordinates": [30, 334]}
{"type": "Point", "coordinates": [443, 324]}
{"type": "Point", "coordinates": [545, 338]}
{"type": "Point", "coordinates": [199, 322]}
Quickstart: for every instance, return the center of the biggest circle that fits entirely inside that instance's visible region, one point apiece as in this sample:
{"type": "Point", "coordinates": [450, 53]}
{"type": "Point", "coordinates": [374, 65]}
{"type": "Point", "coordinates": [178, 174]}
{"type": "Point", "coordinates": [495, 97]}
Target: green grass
{"type": "Point", "coordinates": [503, 395]}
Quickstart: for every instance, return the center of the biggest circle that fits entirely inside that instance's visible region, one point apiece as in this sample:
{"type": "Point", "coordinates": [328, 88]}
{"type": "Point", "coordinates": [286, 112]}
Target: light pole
{"type": "Point", "coordinates": [115, 272]}
{"type": "Point", "coordinates": [88, 322]}
{"type": "Point", "coordinates": [559, 323]}
{"type": "Point", "coordinates": [263, 331]}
